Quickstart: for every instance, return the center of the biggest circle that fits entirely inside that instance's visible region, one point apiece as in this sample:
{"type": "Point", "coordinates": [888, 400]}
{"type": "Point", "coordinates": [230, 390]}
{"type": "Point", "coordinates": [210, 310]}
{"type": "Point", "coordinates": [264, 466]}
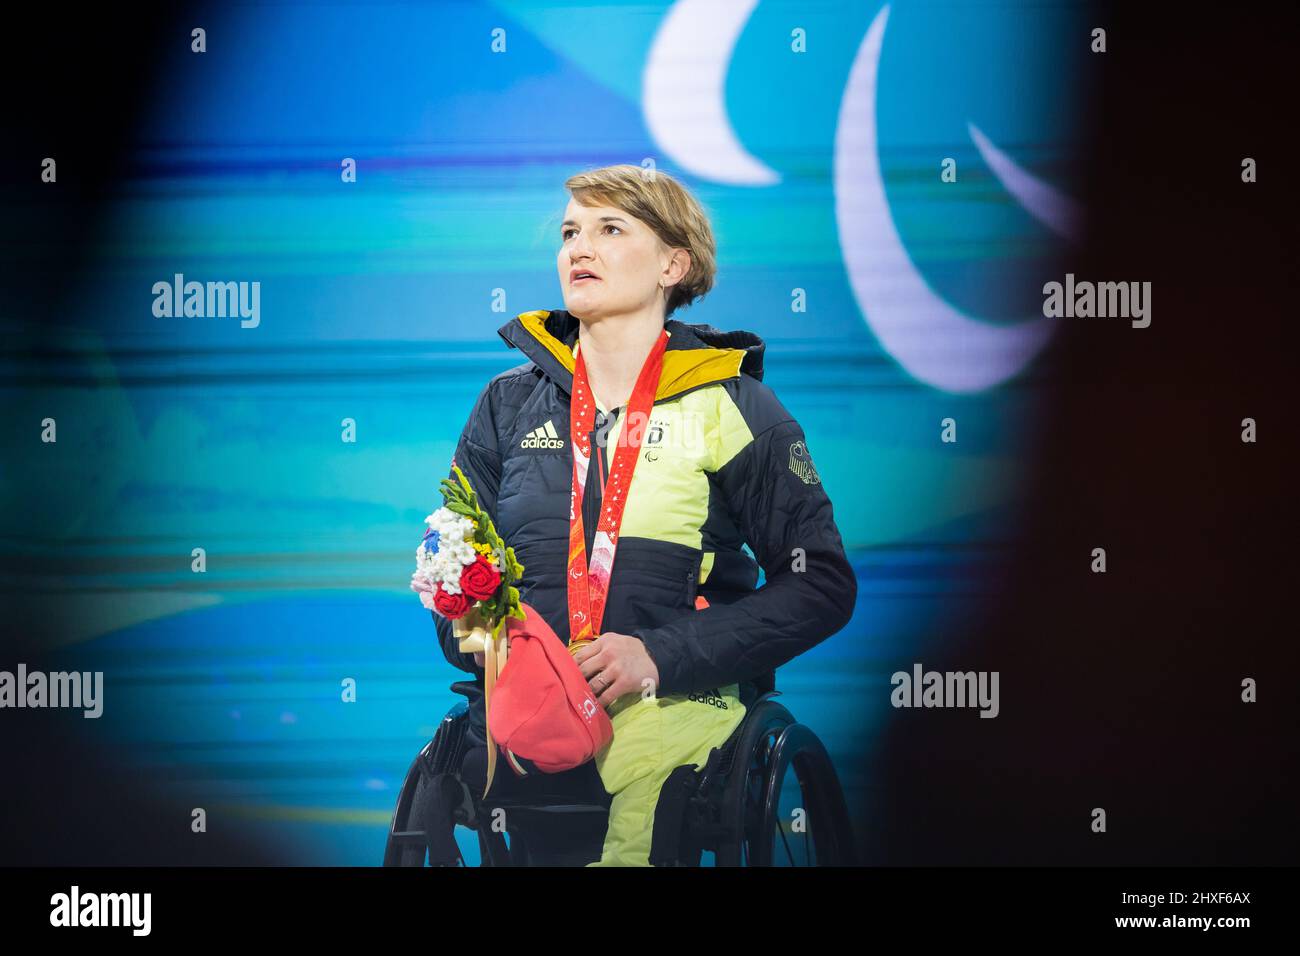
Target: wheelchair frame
{"type": "Point", "coordinates": [729, 806]}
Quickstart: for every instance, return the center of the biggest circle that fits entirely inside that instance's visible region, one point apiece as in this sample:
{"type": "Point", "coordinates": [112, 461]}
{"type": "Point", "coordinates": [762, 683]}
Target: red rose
{"type": "Point", "coordinates": [480, 580]}
{"type": "Point", "coordinates": [450, 606]}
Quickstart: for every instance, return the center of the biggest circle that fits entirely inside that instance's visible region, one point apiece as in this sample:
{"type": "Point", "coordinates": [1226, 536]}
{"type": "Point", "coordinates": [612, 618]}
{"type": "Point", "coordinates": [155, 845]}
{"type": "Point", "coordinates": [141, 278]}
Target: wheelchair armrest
{"type": "Point", "coordinates": [468, 688]}
{"type": "Point", "coordinates": [760, 688]}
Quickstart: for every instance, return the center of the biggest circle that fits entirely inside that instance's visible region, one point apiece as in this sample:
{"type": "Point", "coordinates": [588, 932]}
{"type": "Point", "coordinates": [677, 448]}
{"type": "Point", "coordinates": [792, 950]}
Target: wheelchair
{"type": "Point", "coordinates": [735, 806]}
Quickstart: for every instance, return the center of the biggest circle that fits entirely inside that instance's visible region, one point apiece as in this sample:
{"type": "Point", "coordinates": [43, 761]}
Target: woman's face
{"type": "Point", "coordinates": [628, 262]}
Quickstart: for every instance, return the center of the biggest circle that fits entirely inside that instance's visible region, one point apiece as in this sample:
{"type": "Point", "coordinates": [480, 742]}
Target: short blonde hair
{"type": "Point", "coordinates": [665, 205]}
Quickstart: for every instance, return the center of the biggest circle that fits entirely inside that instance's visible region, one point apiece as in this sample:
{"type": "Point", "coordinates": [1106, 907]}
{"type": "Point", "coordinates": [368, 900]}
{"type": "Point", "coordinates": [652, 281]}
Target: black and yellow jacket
{"type": "Point", "coordinates": [722, 464]}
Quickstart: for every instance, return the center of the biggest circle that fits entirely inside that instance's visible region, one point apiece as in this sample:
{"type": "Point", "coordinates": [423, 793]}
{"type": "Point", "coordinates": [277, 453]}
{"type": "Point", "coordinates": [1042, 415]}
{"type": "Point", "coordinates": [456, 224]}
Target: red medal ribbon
{"type": "Point", "coordinates": [588, 587]}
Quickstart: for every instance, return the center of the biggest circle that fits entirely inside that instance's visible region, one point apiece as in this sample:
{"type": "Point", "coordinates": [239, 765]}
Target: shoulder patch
{"type": "Point", "coordinates": [801, 464]}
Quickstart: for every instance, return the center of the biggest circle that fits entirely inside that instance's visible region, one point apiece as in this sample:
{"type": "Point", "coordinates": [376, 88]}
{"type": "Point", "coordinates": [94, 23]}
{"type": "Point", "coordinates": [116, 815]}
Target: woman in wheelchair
{"type": "Point", "coordinates": [653, 447]}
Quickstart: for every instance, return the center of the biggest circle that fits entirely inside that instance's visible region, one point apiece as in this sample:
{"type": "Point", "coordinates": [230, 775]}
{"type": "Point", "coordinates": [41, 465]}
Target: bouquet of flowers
{"type": "Point", "coordinates": [465, 573]}
{"type": "Point", "coordinates": [463, 570]}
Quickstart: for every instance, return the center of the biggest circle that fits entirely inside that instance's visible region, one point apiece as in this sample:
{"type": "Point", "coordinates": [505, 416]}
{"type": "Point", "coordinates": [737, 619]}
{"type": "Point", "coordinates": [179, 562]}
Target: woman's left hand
{"type": "Point", "coordinates": [616, 664]}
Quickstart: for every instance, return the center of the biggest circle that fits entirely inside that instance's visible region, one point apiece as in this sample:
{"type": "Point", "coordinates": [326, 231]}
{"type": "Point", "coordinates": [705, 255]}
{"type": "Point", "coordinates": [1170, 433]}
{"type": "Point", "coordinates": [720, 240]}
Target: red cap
{"type": "Point", "coordinates": [542, 708]}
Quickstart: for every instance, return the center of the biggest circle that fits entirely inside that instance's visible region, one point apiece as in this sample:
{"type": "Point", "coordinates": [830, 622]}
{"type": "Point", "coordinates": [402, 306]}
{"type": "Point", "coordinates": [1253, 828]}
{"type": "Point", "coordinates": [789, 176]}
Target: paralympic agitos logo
{"type": "Point", "coordinates": [684, 104]}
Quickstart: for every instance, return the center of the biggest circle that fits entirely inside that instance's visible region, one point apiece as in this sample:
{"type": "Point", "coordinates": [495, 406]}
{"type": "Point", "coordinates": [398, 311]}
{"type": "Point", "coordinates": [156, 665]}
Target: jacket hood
{"type": "Point", "coordinates": [696, 355]}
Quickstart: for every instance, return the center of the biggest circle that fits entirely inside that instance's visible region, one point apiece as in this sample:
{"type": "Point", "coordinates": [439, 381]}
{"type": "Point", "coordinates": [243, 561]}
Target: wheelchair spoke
{"type": "Point", "coordinates": [780, 828]}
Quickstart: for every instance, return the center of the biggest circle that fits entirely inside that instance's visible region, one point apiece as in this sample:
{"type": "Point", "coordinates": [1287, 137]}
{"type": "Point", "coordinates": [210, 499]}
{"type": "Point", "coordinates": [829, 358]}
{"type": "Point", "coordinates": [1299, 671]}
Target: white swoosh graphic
{"type": "Point", "coordinates": [1055, 210]}
{"type": "Point", "coordinates": [933, 341]}
{"type": "Point", "coordinates": [682, 91]}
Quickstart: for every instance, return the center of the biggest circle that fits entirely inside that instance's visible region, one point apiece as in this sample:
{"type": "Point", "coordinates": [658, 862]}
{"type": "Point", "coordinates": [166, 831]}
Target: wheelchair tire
{"type": "Point", "coordinates": [770, 743]}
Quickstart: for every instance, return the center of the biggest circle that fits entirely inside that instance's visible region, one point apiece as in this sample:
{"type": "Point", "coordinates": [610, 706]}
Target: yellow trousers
{"type": "Point", "coordinates": [652, 737]}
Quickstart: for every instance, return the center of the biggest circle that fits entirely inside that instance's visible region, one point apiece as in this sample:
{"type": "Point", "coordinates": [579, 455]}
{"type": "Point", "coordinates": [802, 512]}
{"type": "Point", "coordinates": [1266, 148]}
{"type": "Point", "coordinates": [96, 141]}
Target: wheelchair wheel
{"type": "Point", "coordinates": [406, 845]}
{"type": "Point", "coordinates": [782, 797]}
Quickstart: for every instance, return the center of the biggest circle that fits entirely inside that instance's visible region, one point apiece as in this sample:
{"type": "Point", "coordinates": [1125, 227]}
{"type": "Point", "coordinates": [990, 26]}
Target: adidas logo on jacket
{"type": "Point", "coordinates": [543, 437]}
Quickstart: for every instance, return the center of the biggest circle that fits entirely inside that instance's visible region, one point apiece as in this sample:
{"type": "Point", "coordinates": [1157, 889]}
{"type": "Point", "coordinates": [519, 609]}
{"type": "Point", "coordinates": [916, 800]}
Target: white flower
{"type": "Point", "coordinates": [455, 550]}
